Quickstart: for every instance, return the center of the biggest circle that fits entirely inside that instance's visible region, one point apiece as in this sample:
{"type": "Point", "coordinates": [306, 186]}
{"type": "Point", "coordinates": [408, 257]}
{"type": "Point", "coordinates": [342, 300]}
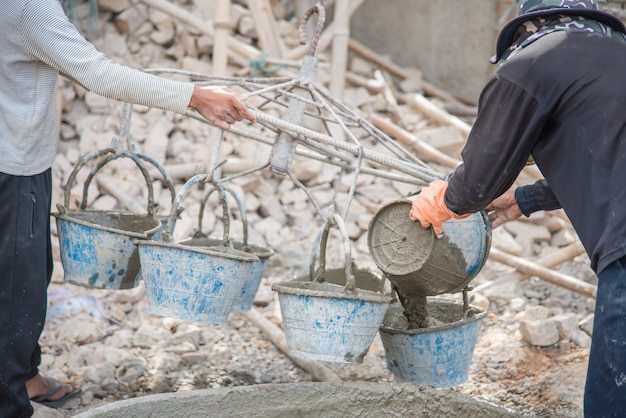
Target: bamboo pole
{"type": "Point", "coordinates": [318, 371]}
{"type": "Point", "coordinates": [269, 38]}
{"type": "Point", "coordinates": [222, 26]}
{"type": "Point", "coordinates": [544, 273]}
{"type": "Point", "coordinates": [438, 114]}
{"type": "Point", "coordinates": [409, 140]}
{"type": "Point", "coordinates": [377, 59]}
{"type": "Point", "coordinates": [549, 261]}
{"type": "Point", "coordinates": [341, 36]}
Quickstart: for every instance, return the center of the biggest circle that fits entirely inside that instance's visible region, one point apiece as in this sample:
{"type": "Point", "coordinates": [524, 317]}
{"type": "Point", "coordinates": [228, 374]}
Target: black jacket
{"type": "Point", "coordinates": [563, 100]}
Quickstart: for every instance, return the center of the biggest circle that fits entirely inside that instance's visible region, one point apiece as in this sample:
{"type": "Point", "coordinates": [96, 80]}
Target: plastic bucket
{"type": "Point", "coordinates": [330, 322]}
{"type": "Point", "coordinates": [98, 248]}
{"type": "Point", "coordinates": [251, 285]}
{"type": "Point", "coordinates": [193, 283]}
{"type": "Point", "coordinates": [439, 355]}
{"type": "Point", "coordinates": [417, 262]}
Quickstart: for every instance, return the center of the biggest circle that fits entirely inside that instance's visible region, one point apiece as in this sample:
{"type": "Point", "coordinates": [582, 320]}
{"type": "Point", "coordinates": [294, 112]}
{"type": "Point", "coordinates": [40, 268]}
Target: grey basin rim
{"type": "Point", "coordinates": [210, 251]}
{"type": "Point", "coordinates": [286, 400]}
{"type": "Point", "coordinates": [300, 288]}
{"type": "Point", "coordinates": [259, 251]}
{"type": "Point", "coordinates": [67, 217]}
{"type": "Point", "coordinates": [477, 314]}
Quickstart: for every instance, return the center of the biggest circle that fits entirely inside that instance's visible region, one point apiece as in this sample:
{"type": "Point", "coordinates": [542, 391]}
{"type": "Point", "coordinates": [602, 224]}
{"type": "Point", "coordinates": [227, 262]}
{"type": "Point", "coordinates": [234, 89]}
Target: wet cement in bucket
{"type": "Point", "coordinates": [350, 399]}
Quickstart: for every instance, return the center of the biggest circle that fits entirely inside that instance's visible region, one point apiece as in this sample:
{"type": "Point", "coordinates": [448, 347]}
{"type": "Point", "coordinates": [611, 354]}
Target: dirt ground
{"type": "Point", "coordinates": [535, 381]}
{"type": "Point", "coordinates": [116, 349]}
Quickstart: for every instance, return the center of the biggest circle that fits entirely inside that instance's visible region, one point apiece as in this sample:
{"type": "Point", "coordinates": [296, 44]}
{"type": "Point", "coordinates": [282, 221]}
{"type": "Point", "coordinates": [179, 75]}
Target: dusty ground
{"type": "Point", "coordinates": [110, 342]}
{"type": "Point", "coordinates": [118, 329]}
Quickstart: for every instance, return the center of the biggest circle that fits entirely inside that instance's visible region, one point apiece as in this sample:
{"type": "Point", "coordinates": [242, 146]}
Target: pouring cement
{"type": "Point", "coordinates": [353, 399]}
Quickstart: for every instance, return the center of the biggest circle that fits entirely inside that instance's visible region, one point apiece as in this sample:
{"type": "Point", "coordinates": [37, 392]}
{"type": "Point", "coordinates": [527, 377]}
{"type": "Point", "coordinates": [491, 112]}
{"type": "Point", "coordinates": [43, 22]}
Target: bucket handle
{"type": "Point", "coordinates": [182, 193]}
{"type": "Point", "coordinates": [335, 219]}
{"type": "Point", "coordinates": [240, 206]}
{"type": "Point", "coordinates": [115, 153]}
{"type": "Point", "coordinates": [166, 177]}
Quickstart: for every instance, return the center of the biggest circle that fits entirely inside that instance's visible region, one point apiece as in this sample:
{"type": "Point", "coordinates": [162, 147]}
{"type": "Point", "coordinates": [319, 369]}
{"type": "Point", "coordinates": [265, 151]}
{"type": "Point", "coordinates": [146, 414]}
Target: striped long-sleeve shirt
{"type": "Point", "coordinates": [37, 42]}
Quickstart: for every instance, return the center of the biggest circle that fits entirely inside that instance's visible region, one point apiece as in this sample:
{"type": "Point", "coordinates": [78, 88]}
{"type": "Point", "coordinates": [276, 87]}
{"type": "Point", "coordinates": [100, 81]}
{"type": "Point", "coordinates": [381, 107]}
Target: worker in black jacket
{"type": "Point", "coordinates": [558, 98]}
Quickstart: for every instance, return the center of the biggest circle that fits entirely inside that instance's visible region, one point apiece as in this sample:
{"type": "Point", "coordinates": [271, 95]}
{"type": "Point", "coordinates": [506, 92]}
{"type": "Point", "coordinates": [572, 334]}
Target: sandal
{"type": "Point", "coordinates": [43, 399]}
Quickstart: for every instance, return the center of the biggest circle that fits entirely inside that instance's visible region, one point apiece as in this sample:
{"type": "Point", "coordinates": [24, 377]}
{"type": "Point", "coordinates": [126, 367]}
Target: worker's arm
{"type": "Point", "coordinates": [49, 36]}
{"type": "Point", "coordinates": [508, 125]}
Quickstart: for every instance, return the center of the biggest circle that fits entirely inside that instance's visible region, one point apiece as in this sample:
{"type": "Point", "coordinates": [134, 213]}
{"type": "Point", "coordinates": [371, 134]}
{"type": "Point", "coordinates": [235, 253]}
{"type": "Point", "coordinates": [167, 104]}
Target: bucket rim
{"type": "Point", "coordinates": [303, 288]}
{"type": "Point", "coordinates": [141, 235]}
{"type": "Point", "coordinates": [479, 314]}
{"type": "Point", "coordinates": [391, 267]}
{"type": "Point", "coordinates": [224, 252]}
{"type": "Point", "coordinates": [258, 250]}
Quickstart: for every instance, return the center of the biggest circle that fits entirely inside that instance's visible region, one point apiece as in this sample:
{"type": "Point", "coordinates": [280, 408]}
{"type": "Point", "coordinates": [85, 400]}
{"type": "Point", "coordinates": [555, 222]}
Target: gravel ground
{"type": "Point", "coordinates": [110, 342]}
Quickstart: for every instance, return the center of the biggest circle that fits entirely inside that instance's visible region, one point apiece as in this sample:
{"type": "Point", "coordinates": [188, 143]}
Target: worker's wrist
{"type": "Point", "coordinates": [526, 200]}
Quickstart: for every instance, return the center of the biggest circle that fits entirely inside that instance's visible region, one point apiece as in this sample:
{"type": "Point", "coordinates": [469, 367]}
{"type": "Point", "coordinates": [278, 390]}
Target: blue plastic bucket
{"type": "Point", "coordinates": [251, 284]}
{"type": "Point", "coordinates": [193, 283]}
{"type": "Point", "coordinates": [98, 248]}
{"type": "Point", "coordinates": [323, 322]}
{"type": "Point", "coordinates": [439, 355]}
{"type": "Point", "coordinates": [327, 321]}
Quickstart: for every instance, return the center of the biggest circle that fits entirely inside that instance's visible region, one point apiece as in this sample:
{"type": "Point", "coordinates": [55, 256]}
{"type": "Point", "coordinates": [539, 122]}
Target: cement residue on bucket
{"type": "Point", "coordinates": [416, 262]}
{"type": "Point", "coordinates": [437, 355]}
{"type": "Point", "coordinates": [442, 314]}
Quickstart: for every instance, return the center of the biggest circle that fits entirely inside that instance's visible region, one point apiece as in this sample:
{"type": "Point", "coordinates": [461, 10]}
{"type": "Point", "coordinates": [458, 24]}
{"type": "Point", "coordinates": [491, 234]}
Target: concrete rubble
{"type": "Point", "coordinates": [119, 351]}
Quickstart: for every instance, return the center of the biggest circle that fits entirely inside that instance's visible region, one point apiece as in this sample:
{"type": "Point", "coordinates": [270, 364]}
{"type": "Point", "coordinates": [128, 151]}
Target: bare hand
{"type": "Point", "coordinates": [503, 209]}
{"type": "Point", "coordinates": [220, 106]}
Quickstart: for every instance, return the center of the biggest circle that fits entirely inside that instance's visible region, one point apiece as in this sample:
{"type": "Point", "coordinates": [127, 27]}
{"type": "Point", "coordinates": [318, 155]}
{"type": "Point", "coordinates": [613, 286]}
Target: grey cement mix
{"type": "Point", "coordinates": [355, 399]}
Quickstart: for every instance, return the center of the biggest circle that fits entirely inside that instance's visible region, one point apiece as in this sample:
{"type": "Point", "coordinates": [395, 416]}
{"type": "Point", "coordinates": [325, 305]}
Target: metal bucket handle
{"type": "Point", "coordinates": [321, 269]}
{"type": "Point", "coordinates": [120, 147]}
{"type": "Point", "coordinates": [166, 177]}
{"type": "Point", "coordinates": [199, 178]}
{"type": "Point", "coordinates": [240, 206]}
{"type": "Point", "coordinates": [116, 153]}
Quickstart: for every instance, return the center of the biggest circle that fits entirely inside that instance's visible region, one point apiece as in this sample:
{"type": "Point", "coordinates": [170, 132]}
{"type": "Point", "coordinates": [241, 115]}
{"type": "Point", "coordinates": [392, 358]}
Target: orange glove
{"type": "Point", "coordinates": [430, 209]}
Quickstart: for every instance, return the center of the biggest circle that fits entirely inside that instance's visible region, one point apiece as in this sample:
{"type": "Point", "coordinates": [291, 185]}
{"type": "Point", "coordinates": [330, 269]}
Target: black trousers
{"type": "Point", "coordinates": [25, 272]}
{"type": "Point", "coordinates": [605, 388]}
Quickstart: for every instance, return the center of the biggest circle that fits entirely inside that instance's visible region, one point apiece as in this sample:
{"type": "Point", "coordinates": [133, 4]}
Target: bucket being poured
{"type": "Point", "coordinates": [332, 318]}
{"type": "Point", "coordinates": [439, 355]}
{"type": "Point", "coordinates": [418, 263]}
